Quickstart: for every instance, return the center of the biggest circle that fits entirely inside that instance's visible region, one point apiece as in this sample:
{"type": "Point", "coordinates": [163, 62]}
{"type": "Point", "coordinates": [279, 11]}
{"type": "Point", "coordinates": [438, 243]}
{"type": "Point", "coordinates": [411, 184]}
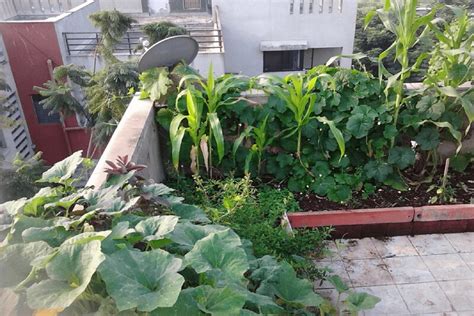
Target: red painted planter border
{"type": "Point", "coordinates": [390, 221]}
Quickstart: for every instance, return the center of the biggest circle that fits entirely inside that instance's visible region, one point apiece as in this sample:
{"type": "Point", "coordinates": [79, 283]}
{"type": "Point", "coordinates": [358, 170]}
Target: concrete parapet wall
{"type": "Point", "coordinates": [137, 137]}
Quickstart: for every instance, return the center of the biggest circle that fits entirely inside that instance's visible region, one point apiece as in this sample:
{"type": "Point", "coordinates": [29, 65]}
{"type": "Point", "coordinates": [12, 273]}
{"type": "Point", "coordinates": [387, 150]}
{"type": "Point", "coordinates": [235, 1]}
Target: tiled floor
{"type": "Point", "coordinates": [413, 275]}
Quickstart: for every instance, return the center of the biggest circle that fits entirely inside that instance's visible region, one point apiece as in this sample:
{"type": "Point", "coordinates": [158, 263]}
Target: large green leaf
{"type": "Point", "coordinates": [361, 121]}
{"type": "Point", "coordinates": [185, 305]}
{"type": "Point", "coordinates": [357, 301]}
{"type": "Point", "coordinates": [378, 170]}
{"type": "Point", "coordinates": [287, 286]}
{"type": "Point", "coordinates": [156, 227]}
{"type": "Point", "coordinates": [428, 138]}
{"type": "Point", "coordinates": [69, 272]}
{"type": "Point", "coordinates": [54, 236]}
{"type": "Point", "coordinates": [7, 212]}
{"type": "Point", "coordinates": [15, 261]}
{"type": "Point", "coordinates": [402, 157]}
{"type": "Point", "coordinates": [189, 212]}
{"type": "Point", "coordinates": [63, 170]}
{"type": "Point", "coordinates": [264, 304]}
{"type": "Point", "coordinates": [220, 251]}
{"type": "Point", "coordinates": [219, 302]}
{"type": "Point", "coordinates": [336, 133]}
{"type": "Point", "coordinates": [22, 223]}
{"type": "Point", "coordinates": [155, 83]}
{"type": "Point", "coordinates": [142, 280]}
{"type": "Point", "coordinates": [108, 201]}
{"type": "Point", "coordinates": [217, 134]}
{"type": "Point", "coordinates": [186, 234]}
{"type": "Point", "coordinates": [35, 205]}
{"type": "Point", "coordinates": [115, 241]}
{"type": "Point", "coordinates": [156, 190]}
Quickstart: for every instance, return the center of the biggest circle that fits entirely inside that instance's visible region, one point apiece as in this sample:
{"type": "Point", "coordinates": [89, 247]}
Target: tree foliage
{"type": "Point", "coordinates": [161, 30]}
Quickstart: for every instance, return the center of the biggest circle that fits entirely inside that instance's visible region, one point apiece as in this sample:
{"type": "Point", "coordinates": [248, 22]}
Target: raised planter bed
{"type": "Point", "coordinates": [390, 221]}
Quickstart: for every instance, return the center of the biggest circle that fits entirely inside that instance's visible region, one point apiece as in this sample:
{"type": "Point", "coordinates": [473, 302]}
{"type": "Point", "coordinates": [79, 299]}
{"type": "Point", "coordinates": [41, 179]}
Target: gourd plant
{"type": "Point", "coordinates": [401, 18]}
{"type": "Point", "coordinates": [213, 94]}
{"type": "Point", "coordinates": [132, 247]}
{"type": "Point", "coordinates": [296, 91]}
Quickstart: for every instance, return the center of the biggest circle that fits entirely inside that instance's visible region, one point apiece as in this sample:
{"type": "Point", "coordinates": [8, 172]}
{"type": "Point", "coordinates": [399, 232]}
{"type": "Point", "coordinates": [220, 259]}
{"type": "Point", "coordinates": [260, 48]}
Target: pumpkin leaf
{"type": "Point", "coordinates": [220, 251]}
{"type": "Point", "coordinates": [69, 272]}
{"type": "Point", "coordinates": [142, 280]}
{"type": "Point", "coordinates": [15, 261]}
{"type": "Point", "coordinates": [63, 170]}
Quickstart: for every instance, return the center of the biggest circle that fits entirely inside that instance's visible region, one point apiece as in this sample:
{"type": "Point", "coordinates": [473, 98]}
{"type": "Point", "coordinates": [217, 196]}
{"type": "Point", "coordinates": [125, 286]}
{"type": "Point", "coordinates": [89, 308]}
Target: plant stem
{"type": "Point", "coordinates": [445, 174]}
{"type": "Point", "coordinates": [210, 150]}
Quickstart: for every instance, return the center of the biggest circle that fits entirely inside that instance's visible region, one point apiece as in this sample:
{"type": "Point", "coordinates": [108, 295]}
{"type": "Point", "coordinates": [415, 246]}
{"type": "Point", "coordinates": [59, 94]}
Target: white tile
{"type": "Point", "coordinates": [394, 247]}
{"type": "Point", "coordinates": [468, 259]}
{"type": "Point", "coordinates": [447, 267]}
{"type": "Point", "coordinates": [434, 244]}
{"type": "Point", "coordinates": [460, 293]}
{"type": "Point", "coordinates": [357, 249]}
{"type": "Point", "coordinates": [368, 272]}
{"type": "Point", "coordinates": [408, 270]}
{"type": "Point", "coordinates": [391, 302]}
{"type": "Point", "coordinates": [424, 298]}
{"type": "Point", "coordinates": [463, 242]}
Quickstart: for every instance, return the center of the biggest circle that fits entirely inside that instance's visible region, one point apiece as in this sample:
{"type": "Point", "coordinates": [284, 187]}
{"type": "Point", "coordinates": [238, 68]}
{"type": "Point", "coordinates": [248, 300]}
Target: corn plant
{"type": "Point", "coordinates": [194, 128]}
{"type": "Point", "coordinates": [451, 60]}
{"type": "Point", "coordinates": [400, 18]}
{"type": "Point", "coordinates": [214, 94]}
{"type": "Point", "coordinates": [261, 142]}
{"type": "Point", "coordinates": [296, 91]}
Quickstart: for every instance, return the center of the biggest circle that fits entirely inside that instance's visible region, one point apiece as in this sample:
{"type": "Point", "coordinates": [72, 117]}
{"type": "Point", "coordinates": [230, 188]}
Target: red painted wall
{"type": "Point", "coordinates": [29, 45]}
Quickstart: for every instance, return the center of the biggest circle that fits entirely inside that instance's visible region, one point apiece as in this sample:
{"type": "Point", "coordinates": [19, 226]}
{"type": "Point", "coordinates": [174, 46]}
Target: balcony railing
{"type": "Point", "coordinates": [84, 43]}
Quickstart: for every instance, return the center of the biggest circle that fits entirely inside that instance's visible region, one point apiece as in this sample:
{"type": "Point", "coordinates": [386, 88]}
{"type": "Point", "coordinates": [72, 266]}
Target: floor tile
{"type": "Point", "coordinates": [391, 302]}
{"type": "Point", "coordinates": [368, 272]}
{"type": "Point", "coordinates": [331, 252]}
{"type": "Point", "coordinates": [431, 244]}
{"type": "Point", "coordinates": [447, 267]}
{"type": "Point", "coordinates": [337, 267]}
{"type": "Point", "coordinates": [463, 242]}
{"type": "Point", "coordinates": [424, 298]}
{"type": "Point", "coordinates": [357, 249]}
{"type": "Point", "coordinates": [408, 270]}
{"type": "Point", "coordinates": [468, 259]}
{"type": "Point", "coordinates": [394, 246]}
{"type": "Point", "coordinates": [460, 293]}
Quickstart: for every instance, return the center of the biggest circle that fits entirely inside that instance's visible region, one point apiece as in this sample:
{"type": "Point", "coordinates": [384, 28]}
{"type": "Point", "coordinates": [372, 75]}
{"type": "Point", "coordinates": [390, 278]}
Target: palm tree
{"type": "Point", "coordinates": [59, 97]}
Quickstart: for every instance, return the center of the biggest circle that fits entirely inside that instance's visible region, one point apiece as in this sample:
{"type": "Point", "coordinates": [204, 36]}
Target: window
{"type": "Point", "coordinates": [286, 60]}
{"type": "Point", "coordinates": [42, 114]}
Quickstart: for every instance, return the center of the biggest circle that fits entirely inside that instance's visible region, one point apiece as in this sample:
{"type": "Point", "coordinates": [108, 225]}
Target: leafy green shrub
{"type": "Point", "coordinates": [255, 214]}
{"type": "Point", "coordinates": [161, 30]}
{"type": "Point", "coordinates": [335, 131]}
{"type": "Point", "coordinates": [132, 246]}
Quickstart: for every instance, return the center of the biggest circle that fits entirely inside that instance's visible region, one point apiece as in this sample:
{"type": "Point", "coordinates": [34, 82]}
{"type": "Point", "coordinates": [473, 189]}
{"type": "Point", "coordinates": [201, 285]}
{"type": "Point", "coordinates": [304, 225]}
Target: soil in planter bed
{"type": "Point", "coordinates": [417, 195]}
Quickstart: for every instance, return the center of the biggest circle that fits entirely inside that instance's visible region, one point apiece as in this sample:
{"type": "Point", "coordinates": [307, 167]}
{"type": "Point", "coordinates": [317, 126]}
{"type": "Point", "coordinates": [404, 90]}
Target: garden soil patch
{"type": "Point", "coordinates": [462, 185]}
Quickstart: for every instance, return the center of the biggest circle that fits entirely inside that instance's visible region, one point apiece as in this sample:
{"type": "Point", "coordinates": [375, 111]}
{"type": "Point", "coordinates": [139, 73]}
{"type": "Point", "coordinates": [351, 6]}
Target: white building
{"type": "Point", "coordinates": [285, 35]}
{"type": "Point", "coordinates": [14, 135]}
{"type": "Point", "coordinates": [261, 36]}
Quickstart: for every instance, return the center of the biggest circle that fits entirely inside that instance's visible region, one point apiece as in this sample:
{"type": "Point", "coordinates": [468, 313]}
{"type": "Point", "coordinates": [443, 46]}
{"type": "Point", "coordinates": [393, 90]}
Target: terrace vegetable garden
{"type": "Point", "coordinates": [328, 137]}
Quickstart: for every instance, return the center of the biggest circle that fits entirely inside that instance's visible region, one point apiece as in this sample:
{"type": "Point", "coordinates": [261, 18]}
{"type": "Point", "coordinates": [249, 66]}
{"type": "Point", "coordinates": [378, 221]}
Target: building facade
{"type": "Point", "coordinates": [14, 135]}
{"type": "Point", "coordinates": [33, 40]}
{"type": "Point", "coordinates": [285, 35]}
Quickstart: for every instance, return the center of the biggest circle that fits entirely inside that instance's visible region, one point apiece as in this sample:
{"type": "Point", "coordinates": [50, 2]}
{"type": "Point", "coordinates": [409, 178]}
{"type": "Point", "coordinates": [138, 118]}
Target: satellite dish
{"type": "Point", "coordinates": [169, 52]}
